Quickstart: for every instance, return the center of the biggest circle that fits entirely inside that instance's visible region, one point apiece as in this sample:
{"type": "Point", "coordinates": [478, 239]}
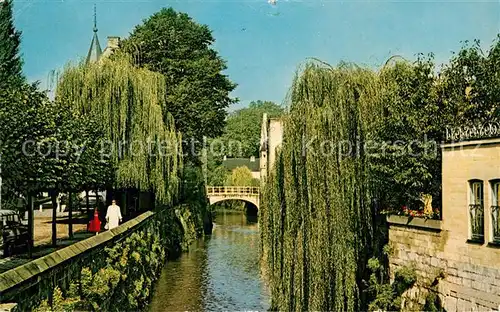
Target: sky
{"type": "Point", "coordinates": [264, 44]}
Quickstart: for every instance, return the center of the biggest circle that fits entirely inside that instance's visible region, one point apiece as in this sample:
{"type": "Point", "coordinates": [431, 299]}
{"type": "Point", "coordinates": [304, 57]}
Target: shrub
{"type": "Point", "coordinates": [386, 296]}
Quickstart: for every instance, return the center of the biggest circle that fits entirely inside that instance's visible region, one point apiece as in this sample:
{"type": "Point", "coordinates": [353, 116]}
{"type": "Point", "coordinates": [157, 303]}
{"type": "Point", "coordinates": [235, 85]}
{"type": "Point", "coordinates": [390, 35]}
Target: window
{"type": "Point", "coordinates": [495, 212]}
{"type": "Point", "coordinates": [476, 210]}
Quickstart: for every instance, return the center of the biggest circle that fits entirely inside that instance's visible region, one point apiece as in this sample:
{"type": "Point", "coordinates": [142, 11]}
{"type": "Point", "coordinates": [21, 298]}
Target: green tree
{"type": "Point", "coordinates": [70, 156]}
{"type": "Point", "coordinates": [85, 167]}
{"type": "Point", "coordinates": [417, 107]}
{"type": "Point", "coordinates": [197, 91]}
{"type": "Point", "coordinates": [10, 61]}
{"type": "Point", "coordinates": [241, 176]}
{"type": "Point", "coordinates": [140, 140]}
{"type": "Point", "coordinates": [26, 119]}
{"type": "Point", "coordinates": [98, 171]}
{"type": "Point", "coordinates": [469, 86]}
{"type": "Point", "coordinates": [315, 218]}
{"type": "Point", "coordinates": [193, 194]}
{"type": "Point", "coordinates": [217, 176]}
{"type": "Point", "coordinates": [244, 125]}
{"type": "Point", "coordinates": [45, 146]}
{"type": "Point", "coordinates": [407, 161]}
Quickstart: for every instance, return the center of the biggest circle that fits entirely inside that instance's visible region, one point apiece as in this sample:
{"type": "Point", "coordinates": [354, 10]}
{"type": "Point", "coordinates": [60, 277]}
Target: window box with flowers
{"type": "Point", "coordinates": [415, 218]}
{"type": "Point", "coordinates": [423, 217]}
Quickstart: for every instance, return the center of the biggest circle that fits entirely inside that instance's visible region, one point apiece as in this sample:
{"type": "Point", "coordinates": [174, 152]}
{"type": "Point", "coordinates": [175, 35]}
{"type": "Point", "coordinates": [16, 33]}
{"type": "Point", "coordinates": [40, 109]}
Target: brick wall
{"type": "Point", "coordinates": [468, 284]}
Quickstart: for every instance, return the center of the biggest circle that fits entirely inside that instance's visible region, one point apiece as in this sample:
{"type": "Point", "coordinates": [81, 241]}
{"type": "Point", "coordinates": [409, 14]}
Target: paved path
{"type": "Point", "coordinates": [40, 251]}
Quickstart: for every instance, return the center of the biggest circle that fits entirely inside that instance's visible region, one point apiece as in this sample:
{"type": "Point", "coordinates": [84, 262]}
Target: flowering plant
{"type": "Point", "coordinates": [416, 213]}
{"type": "Point", "coordinates": [433, 214]}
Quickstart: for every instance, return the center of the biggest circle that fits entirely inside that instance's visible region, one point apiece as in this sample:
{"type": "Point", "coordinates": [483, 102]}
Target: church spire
{"type": "Point", "coordinates": [95, 50]}
{"type": "Point", "coordinates": [95, 18]}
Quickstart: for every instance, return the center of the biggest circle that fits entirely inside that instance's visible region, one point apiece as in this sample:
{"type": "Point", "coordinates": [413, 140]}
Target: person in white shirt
{"type": "Point", "coordinates": [113, 215]}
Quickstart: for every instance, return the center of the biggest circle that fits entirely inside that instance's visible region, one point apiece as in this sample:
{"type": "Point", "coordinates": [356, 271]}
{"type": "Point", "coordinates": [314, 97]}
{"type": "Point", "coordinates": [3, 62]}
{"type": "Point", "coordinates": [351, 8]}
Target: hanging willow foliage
{"type": "Point", "coordinates": [141, 140]}
{"type": "Point", "coordinates": [317, 213]}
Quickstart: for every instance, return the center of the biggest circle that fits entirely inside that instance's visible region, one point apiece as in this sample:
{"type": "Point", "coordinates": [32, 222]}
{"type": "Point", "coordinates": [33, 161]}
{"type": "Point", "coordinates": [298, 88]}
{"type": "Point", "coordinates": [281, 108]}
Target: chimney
{"type": "Point", "coordinates": [252, 159]}
{"type": "Point", "coordinates": [113, 42]}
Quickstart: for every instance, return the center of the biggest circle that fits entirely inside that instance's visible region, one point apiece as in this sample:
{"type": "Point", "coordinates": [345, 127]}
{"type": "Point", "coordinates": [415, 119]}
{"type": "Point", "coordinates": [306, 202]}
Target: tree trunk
{"type": "Point", "coordinates": [98, 202]}
{"type": "Point", "coordinates": [87, 204]}
{"type": "Point", "coordinates": [54, 218]}
{"type": "Point", "coordinates": [30, 225]}
{"type": "Point", "coordinates": [123, 204]}
{"type": "Point", "coordinates": [109, 196]}
{"type": "Point", "coordinates": [139, 203]}
{"type": "Point", "coordinates": [70, 215]}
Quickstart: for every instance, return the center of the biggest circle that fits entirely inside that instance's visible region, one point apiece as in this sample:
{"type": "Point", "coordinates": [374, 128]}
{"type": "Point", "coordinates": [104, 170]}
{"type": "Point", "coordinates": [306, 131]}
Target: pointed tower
{"type": "Point", "coordinates": [95, 50]}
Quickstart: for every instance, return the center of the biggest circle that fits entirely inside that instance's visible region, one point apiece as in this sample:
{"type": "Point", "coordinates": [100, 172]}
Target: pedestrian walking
{"type": "Point", "coordinates": [113, 216]}
{"type": "Point", "coordinates": [95, 224]}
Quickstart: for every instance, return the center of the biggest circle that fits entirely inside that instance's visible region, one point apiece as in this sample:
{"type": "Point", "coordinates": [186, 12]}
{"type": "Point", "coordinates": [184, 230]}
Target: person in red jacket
{"type": "Point", "coordinates": [95, 224]}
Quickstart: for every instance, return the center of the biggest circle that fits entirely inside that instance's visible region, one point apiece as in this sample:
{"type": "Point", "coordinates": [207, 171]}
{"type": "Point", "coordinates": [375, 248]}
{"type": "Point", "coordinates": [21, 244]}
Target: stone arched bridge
{"type": "Point", "coordinates": [246, 193]}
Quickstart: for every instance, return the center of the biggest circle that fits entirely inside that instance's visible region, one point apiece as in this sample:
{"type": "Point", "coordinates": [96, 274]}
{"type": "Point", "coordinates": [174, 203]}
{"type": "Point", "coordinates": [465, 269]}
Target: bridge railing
{"type": "Point", "coordinates": [237, 190]}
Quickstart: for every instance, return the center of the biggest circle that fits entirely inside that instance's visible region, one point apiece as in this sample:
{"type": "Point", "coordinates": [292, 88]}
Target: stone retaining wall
{"type": "Point", "coordinates": [28, 284]}
{"type": "Point", "coordinates": [467, 284]}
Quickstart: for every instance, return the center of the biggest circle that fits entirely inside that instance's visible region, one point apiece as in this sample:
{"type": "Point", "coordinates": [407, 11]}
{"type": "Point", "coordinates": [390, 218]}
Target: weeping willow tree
{"type": "Point", "coordinates": [317, 213]}
{"type": "Point", "coordinates": [139, 138]}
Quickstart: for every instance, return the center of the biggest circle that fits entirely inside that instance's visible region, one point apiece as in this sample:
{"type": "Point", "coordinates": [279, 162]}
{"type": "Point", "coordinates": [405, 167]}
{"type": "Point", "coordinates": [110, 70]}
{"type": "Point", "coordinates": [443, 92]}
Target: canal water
{"type": "Point", "coordinates": [219, 273]}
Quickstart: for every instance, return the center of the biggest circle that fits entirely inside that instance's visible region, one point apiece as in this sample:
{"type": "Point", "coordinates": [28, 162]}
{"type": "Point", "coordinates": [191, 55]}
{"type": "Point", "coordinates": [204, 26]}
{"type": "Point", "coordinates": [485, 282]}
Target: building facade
{"type": "Point", "coordinates": [251, 163]}
{"type": "Point", "coordinates": [461, 252]}
{"type": "Point", "coordinates": [271, 137]}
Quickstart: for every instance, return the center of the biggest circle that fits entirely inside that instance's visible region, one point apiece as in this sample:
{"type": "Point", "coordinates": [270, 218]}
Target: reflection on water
{"type": "Point", "coordinates": [220, 273]}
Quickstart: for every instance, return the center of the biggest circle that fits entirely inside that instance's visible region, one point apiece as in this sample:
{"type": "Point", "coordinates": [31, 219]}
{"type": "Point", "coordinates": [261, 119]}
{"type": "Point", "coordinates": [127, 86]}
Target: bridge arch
{"type": "Point", "coordinates": [247, 194]}
{"type": "Point", "coordinates": [218, 200]}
